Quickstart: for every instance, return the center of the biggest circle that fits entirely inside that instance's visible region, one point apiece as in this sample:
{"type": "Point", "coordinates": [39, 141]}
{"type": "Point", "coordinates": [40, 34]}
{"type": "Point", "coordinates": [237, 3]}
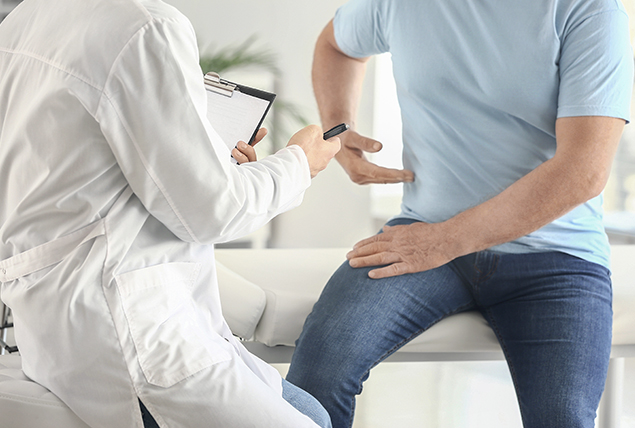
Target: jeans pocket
{"type": "Point", "coordinates": [158, 305]}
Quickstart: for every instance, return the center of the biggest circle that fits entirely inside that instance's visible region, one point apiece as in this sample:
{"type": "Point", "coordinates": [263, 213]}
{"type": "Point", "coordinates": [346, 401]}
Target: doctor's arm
{"type": "Point", "coordinates": [153, 114]}
{"type": "Point", "coordinates": [577, 172]}
{"type": "Point", "coordinates": [337, 82]}
{"type": "Point", "coordinates": [244, 152]}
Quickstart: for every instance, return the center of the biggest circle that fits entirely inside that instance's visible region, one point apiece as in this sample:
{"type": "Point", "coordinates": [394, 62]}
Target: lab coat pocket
{"type": "Point", "coordinates": [161, 318]}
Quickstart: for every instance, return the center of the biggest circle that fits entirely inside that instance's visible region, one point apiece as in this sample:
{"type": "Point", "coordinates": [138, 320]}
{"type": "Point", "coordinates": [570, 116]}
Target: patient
{"type": "Point", "coordinates": [114, 189]}
{"type": "Point", "coordinates": [511, 118]}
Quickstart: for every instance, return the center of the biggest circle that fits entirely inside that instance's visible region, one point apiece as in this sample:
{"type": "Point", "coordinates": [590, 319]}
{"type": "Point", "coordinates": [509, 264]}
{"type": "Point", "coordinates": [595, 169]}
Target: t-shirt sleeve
{"type": "Point", "coordinates": [359, 28]}
{"type": "Point", "coordinates": [596, 67]}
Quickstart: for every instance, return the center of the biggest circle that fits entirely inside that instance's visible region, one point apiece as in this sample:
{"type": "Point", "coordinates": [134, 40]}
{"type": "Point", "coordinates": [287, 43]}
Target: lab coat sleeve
{"type": "Point", "coordinates": [153, 115]}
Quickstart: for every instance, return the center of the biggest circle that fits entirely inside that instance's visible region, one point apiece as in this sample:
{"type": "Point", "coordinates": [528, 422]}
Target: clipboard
{"type": "Point", "coordinates": [235, 111]}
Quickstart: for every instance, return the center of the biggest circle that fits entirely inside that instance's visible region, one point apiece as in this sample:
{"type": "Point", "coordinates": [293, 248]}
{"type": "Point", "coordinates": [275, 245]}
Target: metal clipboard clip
{"type": "Point", "coordinates": [213, 82]}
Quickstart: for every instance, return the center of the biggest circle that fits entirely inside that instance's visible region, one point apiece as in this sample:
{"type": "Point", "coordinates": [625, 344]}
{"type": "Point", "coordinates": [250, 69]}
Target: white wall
{"type": "Point", "coordinates": [335, 212]}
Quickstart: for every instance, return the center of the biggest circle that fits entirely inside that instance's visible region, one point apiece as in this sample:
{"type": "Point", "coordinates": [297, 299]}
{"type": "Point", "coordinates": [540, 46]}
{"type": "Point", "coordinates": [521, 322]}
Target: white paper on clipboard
{"type": "Point", "coordinates": [235, 111]}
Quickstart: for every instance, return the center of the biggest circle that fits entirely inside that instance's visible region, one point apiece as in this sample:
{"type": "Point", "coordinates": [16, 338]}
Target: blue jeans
{"type": "Point", "coordinates": [551, 313]}
{"type": "Point", "coordinates": [305, 403]}
{"type": "Point", "coordinates": [301, 400]}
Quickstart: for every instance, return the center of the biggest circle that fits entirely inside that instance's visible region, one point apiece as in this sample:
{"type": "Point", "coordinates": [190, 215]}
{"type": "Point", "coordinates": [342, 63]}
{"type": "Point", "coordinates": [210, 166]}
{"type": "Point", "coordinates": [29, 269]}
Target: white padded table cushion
{"type": "Point", "coordinates": [623, 277]}
{"type": "Point", "coordinates": [28, 403]}
{"type": "Point", "coordinates": [293, 279]}
{"type": "Point", "coordinates": [242, 301]}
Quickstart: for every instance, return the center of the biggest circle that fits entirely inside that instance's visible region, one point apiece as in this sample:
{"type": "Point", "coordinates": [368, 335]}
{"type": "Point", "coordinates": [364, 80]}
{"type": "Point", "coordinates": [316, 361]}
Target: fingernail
{"type": "Point", "coordinates": [376, 146]}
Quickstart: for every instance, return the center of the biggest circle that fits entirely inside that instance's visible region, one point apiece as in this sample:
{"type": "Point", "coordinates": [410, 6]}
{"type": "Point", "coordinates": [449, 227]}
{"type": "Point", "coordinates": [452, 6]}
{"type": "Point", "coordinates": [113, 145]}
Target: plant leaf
{"type": "Point", "coordinates": [239, 56]}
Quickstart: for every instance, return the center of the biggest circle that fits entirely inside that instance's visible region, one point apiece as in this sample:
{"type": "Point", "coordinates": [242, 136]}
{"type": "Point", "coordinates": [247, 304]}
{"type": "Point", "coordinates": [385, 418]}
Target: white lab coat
{"type": "Point", "coordinates": [103, 130]}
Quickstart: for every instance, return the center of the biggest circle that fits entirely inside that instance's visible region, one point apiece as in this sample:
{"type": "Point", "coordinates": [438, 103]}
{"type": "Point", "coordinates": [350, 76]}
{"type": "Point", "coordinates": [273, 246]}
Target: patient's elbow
{"type": "Point", "coordinates": [593, 184]}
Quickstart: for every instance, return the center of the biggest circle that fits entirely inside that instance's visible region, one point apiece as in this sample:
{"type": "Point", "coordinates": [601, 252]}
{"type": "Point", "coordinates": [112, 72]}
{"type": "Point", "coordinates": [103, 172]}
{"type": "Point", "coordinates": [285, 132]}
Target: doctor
{"type": "Point", "coordinates": [113, 189]}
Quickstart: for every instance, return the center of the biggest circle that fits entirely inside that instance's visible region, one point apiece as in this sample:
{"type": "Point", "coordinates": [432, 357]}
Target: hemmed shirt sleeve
{"type": "Point", "coordinates": [596, 67]}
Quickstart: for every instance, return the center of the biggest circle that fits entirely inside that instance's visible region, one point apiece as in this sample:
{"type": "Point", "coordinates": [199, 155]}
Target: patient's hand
{"type": "Point", "coordinates": [359, 169]}
{"type": "Point", "coordinates": [244, 152]}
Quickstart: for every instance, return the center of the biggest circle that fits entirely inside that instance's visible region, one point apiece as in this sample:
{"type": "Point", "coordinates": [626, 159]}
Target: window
{"type": "Point", "coordinates": [619, 195]}
{"type": "Point", "coordinates": [386, 198]}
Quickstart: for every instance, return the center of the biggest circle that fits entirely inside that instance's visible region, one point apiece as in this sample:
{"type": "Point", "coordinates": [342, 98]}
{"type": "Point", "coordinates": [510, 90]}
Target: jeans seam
{"type": "Point", "coordinates": [510, 365]}
{"type": "Point", "coordinates": [478, 282]}
{"type": "Point", "coordinates": [399, 345]}
{"type": "Point", "coordinates": [490, 272]}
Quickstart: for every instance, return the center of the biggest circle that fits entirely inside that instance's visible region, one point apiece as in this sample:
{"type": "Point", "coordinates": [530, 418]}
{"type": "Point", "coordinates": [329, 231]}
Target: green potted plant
{"type": "Point", "coordinates": [285, 117]}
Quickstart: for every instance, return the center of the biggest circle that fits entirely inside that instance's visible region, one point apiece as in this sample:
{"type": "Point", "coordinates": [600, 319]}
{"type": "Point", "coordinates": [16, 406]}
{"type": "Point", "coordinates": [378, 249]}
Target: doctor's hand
{"type": "Point", "coordinates": [319, 152]}
{"type": "Point", "coordinates": [416, 247]}
{"type": "Point", "coordinates": [244, 152]}
{"type": "Point", "coordinates": [359, 169]}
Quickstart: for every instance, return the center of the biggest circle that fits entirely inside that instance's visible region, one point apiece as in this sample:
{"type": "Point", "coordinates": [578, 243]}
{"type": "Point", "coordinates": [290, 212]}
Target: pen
{"type": "Point", "coordinates": [336, 130]}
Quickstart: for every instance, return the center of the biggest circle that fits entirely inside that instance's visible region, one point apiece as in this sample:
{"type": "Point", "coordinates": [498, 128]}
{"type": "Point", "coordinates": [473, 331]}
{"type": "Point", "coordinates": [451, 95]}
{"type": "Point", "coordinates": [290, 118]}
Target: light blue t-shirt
{"type": "Point", "coordinates": [480, 85]}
